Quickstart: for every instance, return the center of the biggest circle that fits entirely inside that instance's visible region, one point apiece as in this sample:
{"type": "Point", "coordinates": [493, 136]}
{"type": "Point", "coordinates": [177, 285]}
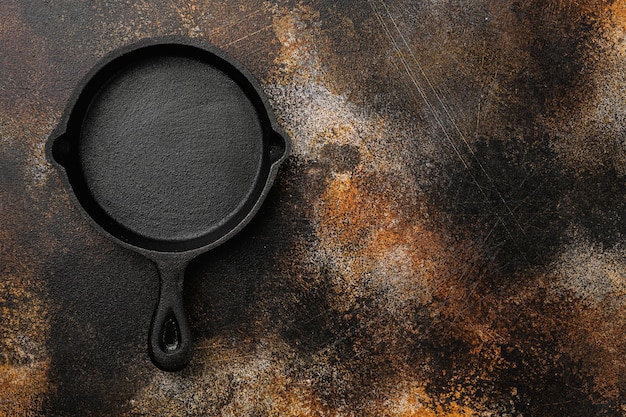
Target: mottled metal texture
{"type": "Point", "coordinates": [445, 240]}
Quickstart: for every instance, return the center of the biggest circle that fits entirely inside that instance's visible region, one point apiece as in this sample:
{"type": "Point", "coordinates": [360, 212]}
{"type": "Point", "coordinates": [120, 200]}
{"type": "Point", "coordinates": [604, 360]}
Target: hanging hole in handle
{"type": "Point", "coordinates": [169, 340]}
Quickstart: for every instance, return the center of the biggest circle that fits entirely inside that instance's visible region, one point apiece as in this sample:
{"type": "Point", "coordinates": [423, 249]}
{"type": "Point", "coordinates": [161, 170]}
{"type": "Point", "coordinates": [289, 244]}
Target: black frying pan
{"type": "Point", "coordinates": [170, 148]}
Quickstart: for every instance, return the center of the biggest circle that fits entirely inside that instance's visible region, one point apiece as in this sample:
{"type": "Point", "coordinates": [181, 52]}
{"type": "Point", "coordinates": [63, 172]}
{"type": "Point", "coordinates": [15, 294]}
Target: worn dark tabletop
{"type": "Point", "coordinates": [447, 238]}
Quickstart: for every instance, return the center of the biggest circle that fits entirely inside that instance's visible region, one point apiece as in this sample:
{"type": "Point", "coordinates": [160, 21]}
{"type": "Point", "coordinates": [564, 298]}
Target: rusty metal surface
{"type": "Point", "coordinates": [446, 239]}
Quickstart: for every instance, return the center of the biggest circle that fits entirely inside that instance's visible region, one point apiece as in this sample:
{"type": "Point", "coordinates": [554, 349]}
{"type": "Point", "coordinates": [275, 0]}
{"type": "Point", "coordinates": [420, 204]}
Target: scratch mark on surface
{"type": "Point", "coordinates": [454, 123]}
{"type": "Point", "coordinates": [438, 119]}
{"type": "Point", "coordinates": [235, 22]}
{"type": "Point", "coordinates": [246, 36]}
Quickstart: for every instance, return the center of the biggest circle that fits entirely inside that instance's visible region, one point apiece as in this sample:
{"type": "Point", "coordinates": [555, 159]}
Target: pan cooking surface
{"type": "Point", "coordinates": [171, 147]}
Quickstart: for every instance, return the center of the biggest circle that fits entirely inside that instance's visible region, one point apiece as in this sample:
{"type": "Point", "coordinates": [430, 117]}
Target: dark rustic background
{"type": "Point", "coordinates": [447, 238]}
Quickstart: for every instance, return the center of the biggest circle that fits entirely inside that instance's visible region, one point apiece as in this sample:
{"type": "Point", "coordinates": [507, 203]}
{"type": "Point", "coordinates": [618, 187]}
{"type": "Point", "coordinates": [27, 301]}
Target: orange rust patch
{"type": "Point", "coordinates": [617, 14]}
{"type": "Point", "coordinates": [379, 241]}
{"type": "Point", "coordinates": [413, 401]}
{"type": "Point", "coordinates": [364, 219]}
{"type": "Point", "coordinates": [24, 362]}
{"type": "Point", "coordinates": [23, 388]}
{"type": "Point", "coordinates": [24, 310]}
{"type": "Point", "coordinates": [298, 59]}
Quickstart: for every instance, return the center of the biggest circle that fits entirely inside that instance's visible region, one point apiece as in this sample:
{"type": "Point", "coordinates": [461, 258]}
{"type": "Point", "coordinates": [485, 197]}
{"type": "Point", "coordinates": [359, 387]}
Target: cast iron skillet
{"type": "Point", "coordinates": [169, 148]}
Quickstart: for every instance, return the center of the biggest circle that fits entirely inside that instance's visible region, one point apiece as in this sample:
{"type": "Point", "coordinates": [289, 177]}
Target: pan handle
{"type": "Point", "coordinates": [170, 343]}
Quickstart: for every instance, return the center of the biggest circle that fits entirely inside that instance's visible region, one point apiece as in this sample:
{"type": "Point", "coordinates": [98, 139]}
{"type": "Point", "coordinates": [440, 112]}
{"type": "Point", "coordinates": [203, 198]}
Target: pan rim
{"type": "Point", "coordinates": [273, 136]}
